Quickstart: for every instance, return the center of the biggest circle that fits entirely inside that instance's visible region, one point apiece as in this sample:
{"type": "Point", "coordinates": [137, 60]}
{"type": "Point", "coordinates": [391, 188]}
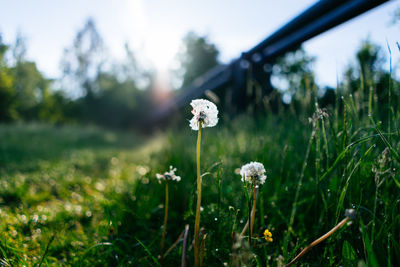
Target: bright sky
{"type": "Point", "coordinates": [154, 28]}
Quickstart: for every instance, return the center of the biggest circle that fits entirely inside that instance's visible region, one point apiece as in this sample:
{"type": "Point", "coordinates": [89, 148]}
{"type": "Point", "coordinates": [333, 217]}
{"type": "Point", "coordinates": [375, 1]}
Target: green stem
{"type": "Point", "coordinates": [165, 220]}
{"type": "Point", "coordinates": [374, 215]}
{"type": "Point", "coordinates": [249, 214]}
{"type": "Point", "coordinates": [197, 221]}
{"type": "Point", "coordinates": [253, 211]}
{"type": "Point", "coordinates": [390, 90]}
{"type": "Point", "coordinates": [296, 196]}
{"type": "Point", "coordinates": [326, 144]}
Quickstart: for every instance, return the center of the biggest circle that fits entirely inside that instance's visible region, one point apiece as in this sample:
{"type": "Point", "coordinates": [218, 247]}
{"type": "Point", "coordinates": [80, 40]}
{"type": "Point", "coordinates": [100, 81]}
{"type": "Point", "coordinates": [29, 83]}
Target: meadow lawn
{"type": "Point", "coordinates": [84, 196]}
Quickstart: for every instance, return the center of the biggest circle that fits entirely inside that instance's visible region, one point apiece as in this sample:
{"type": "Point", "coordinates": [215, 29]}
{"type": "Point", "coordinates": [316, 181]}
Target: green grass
{"type": "Point", "coordinates": [59, 181]}
{"type": "Point", "coordinates": [96, 193]}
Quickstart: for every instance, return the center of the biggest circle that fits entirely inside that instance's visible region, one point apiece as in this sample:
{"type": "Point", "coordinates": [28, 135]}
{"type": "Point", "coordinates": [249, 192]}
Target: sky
{"type": "Point", "coordinates": [155, 28]}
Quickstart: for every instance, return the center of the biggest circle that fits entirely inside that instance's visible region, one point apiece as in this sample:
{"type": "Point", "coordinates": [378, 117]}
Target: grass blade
{"type": "Point", "coordinates": [148, 252]}
{"type": "Point", "coordinates": [371, 258]}
{"type": "Point", "coordinates": [394, 152]}
{"type": "Point", "coordinates": [47, 250]}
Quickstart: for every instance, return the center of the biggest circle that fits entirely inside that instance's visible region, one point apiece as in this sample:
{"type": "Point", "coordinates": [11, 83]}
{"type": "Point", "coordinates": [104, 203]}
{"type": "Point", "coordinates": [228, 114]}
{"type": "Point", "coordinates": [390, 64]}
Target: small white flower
{"type": "Point", "coordinates": [253, 172]}
{"type": "Point", "coordinates": [205, 112]}
{"type": "Point", "coordinates": [170, 175]}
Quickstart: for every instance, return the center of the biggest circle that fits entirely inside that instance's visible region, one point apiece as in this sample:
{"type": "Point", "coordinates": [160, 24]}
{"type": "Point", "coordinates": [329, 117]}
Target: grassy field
{"type": "Point", "coordinates": [88, 197]}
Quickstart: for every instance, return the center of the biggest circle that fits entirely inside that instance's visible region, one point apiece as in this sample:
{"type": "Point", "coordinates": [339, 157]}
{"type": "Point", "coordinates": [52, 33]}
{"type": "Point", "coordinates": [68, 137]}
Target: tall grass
{"type": "Point", "coordinates": [96, 191]}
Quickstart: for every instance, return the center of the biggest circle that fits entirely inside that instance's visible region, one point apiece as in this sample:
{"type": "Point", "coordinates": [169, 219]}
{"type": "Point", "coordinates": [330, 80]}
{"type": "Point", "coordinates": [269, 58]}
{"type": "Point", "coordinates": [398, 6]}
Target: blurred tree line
{"type": "Point", "coordinates": [96, 90]}
{"type": "Point", "coordinates": [24, 93]}
{"type": "Point", "coordinates": [93, 89]}
{"type": "Point", "coordinates": [367, 76]}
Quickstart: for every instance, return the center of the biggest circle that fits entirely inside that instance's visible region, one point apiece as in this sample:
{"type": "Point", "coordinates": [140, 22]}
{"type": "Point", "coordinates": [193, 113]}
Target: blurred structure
{"type": "Point", "coordinates": [231, 82]}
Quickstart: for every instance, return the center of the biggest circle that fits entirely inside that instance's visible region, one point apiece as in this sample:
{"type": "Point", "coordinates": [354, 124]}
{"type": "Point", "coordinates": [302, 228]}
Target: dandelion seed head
{"type": "Point", "coordinates": [351, 213]}
{"type": "Point", "coordinates": [253, 172]}
{"type": "Point", "coordinates": [205, 112]}
{"type": "Point", "coordinates": [169, 175]}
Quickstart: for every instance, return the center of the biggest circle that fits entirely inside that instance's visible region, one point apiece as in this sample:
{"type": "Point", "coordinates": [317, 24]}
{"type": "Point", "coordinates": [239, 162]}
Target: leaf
{"type": "Point", "coordinates": [349, 254]}
{"type": "Point", "coordinates": [149, 252]}
{"type": "Point", "coordinates": [371, 258]}
{"type": "Point", "coordinates": [388, 145]}
{"type": "Point", "coordinates": [395, 181]}
{"type": "Point", "coordinates": [101, 244]}
{"type": "Point", "coordinates": [344, 190]}
{"type": "Point", "coordinates": [343, 153]}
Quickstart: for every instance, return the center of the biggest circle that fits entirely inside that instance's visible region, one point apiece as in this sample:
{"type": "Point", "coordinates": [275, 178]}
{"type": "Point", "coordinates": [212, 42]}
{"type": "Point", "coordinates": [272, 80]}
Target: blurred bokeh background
{"type": "Point", "coordinates": [113, 63]}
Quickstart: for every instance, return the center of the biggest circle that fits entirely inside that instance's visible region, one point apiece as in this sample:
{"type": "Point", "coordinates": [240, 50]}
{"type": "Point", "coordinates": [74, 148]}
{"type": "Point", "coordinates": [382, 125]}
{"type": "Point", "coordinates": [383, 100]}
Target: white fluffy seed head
{"type": "Point", "coordinates": [205, 112]}
{"type": "Point", "coordinates": [253, 172]}
{"type": "Point", "coordinates": [169, 175]}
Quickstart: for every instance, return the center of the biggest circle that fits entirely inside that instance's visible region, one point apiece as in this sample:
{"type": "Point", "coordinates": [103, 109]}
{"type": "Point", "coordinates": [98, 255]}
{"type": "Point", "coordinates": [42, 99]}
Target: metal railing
{"type": "Point", "coordinates": [320, 17]}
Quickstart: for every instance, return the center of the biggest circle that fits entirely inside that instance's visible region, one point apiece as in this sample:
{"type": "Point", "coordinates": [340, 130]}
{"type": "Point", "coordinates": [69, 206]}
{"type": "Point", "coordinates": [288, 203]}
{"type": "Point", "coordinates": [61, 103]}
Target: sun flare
{"type": "Point", "coordinates": [159, 43]}
{"type": "Point", "coordinates": [161, 51]}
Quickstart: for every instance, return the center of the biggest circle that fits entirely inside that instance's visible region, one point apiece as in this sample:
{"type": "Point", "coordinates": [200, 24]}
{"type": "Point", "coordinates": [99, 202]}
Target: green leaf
{"type": "Point", "coordinates": [148, 252]}
{"type": "Point", "coordinates": [349, 254]}
{"type": "Point", "coordinates": [388, 145]}
{"type": "Point", "coordinates": [343, 153]}
{"type": "Point", "coordinates": [371, 258]}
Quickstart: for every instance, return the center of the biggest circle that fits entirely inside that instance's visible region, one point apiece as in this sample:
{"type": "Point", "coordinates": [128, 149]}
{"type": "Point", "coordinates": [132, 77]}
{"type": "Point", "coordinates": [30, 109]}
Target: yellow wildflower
{"type": "Point", "coordinates": [268, 235]}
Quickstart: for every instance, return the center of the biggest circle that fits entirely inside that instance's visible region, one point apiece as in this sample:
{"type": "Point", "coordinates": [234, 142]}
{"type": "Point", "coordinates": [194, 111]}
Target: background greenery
{"type": "Point", "coordinates": [94, 88]}
{"type": "Point", "coordinates": [80, 195]}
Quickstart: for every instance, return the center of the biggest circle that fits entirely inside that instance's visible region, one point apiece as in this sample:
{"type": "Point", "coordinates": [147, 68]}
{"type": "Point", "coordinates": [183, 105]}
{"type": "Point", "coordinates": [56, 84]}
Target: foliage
{"type": "Point", "coordinates": [293, 76]}
{"type": "Point", "coordinates": [97, 193]}
{"type": "Point", "coordinates": [108, 96]}
{"type": "Point", "coordinates": [198, 56]}
{"type": "Point", "coordinates": [84, 59]}
{"type": "Point", "coordinates": [90, 92]}
{"type": "Point", "coordinates": [25, 92]}
{"type": "Point", "coordinates": [7, 106]}
{"type": "Point", "coordinates": [83, 196]}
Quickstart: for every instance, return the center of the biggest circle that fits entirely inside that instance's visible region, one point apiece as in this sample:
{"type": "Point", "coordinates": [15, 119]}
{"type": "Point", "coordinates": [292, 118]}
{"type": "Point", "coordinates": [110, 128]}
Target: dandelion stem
{"type": "Point", "coordinates": [197, 221]}
{"type": "Point", "coordinates": [174, 244]}
{"type": "Point", "coordinates": [296, 196]}
{"type": "Point", "coordinates": [253, 211]}
{"type": "Point", "coordinates": [184, 245]}
{"type": "Point", "coordinates": [248, 225]}
{"type": "Point", "coordinates": [165, 220]}
{"type": "Point", "coordinates": [203, 248]}
{"type": "Point", "coordinates": [316, 242]}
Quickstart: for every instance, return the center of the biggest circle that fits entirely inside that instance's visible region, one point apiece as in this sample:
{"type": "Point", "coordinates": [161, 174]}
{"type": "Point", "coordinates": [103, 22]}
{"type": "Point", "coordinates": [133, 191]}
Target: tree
{"type": "Point", "coordinates": [368, 68]}
{"type": "Point", "coordinates": [293, 76]}
{"type": "Point", "coordinates": [31, 87]}
{"type": "Point", "coordinates": [369, 82]}
{"type": "Point", "coordinates": [197, 57]}
{"type": "Point", "coordinates": [82, 62]}
{"type": "Point", "coordinates": [7, 92]}
{"type": "Point", "coordinates": [19, 48]}
{"type": "Point", "coordinates": [370, 61]}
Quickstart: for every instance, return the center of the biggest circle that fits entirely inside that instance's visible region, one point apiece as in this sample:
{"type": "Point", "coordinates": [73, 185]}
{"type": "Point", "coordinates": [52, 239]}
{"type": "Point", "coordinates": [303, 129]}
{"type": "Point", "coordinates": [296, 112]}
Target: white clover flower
{"type": "Point", "coordinates": [168, 175]}
{"type": "Point", "coordinates": [205, 112]}
{"type": "Point", "coordinates": [253, 172]}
